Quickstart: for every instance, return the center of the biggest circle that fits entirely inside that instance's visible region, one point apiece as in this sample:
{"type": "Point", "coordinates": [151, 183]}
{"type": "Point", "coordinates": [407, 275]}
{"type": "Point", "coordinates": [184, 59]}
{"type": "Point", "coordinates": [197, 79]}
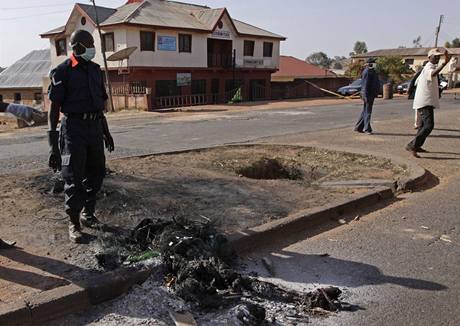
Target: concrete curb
{"type": "Point", "coordinates": [265, 234]}
{"type": "Point", "coordinates": [61, 301]}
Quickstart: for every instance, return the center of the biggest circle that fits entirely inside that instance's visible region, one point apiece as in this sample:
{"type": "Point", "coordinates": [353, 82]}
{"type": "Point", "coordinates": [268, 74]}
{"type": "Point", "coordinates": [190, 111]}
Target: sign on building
{"type": "Point", "coordinates": [167, 43]}
{"type": "Point", "coordinates": [253, 62]}
{"type": "Point", "coordinates": [184, 79]}
{"type": "Point", "coordinates": [221, 34]}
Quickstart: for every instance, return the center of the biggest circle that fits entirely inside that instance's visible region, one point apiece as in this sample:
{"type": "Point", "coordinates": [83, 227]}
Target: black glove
{"type": "Point", "coordinates": [109, 144]}
{"type": "Point", "coordinates": [55, 162]}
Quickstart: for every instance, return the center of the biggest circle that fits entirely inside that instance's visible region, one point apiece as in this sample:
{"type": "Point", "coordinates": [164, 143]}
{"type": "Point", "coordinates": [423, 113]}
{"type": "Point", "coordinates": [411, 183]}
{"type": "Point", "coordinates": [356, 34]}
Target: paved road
{"type": "Point", "coordinates": [28, 150]}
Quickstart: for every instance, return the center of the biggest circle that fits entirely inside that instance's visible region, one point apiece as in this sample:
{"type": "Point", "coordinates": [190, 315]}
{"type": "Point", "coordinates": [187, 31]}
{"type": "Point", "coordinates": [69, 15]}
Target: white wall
{"type": "Point", "coordinates": [130, 36]}
{"type": "Point", "coordinates": [157, 58]}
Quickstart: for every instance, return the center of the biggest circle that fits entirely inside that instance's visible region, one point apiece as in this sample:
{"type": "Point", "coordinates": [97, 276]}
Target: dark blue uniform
{"type": "Point", "coordinates": [370, 90]}
{"type": "Point", "coordinates": [79, 89]}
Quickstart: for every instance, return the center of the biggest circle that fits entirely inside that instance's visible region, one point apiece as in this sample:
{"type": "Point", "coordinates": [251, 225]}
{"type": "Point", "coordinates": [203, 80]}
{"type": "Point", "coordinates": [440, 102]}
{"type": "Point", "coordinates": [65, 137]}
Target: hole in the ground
{"type": "Point", "coordinates": [271, 169]}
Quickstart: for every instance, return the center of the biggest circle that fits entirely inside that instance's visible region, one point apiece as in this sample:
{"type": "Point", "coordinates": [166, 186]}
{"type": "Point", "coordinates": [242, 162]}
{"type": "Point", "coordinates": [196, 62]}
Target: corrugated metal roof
{"type": "Point", "coordinates": [168, 14]}
{"type": "Point", "coordinates": [102, 12]}
{"type": "Point", "coordinates": [293, 68]}
{"type": "Point", "coordinates": [158, 13]}
{"type": "Point", "coordinates": [403, 52]}
{"type": "Point", "coordinates": [27, 72]}
{"type": "Point", "coordinates": [247, 29]}
{"type": "Point", "coordinates": [209, 17]}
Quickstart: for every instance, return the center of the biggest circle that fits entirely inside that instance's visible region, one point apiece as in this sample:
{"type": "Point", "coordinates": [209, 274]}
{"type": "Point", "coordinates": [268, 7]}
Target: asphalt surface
{"type": "Point", "coordinates": [29, 150]}
{"type": "Point", "coordinates": [397, 266]}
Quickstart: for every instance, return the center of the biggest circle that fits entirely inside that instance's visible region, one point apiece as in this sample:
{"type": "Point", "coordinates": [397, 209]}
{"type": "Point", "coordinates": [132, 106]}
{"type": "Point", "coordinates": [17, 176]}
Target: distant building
{"type": "Point", "coordinates": [22, 82]}
{"type": "Point", "coordinates": [184, 54]}
{"type": "Point", "coordinates": [295, 77]}
{"type": "Point", "coordinates": [413, 57]}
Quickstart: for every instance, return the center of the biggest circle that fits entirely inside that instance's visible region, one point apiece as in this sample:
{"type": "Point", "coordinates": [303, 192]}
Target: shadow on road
{"type": "Point", "coordinates": [323, 269]}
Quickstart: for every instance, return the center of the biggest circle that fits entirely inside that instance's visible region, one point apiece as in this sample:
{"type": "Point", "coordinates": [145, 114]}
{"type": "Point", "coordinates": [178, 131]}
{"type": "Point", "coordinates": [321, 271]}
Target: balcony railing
{"type": "Point", "coordinates": [218, 60]}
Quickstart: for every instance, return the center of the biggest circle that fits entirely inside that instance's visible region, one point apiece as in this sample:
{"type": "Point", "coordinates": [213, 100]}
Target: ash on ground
{"type": "Point", "coordinates": [197, 276]}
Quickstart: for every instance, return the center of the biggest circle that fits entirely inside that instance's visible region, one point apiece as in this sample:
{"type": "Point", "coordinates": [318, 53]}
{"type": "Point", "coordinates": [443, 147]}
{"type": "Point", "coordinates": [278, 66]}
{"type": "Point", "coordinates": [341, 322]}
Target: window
{"type": "Point", "coordinates": [185, 43]}
{"type": "Point", "coordinates": [38, 98]}
{"type": "Point", "coordinates": [249, 48]}
{"type": "Point", "coordinates": [147, 41]}
{"type": "Point", "coordinates": [409, 61]}
{"type": "Point", "coordinates": [61, 47]}
{"type": "Point", "coordinates": [17, 97]}
{"type": "Point", "coordinates": [167, 88]}
{"type": "Point", "coordinates": [108, 42]}
{"type": "Point", "coordinates": [199, 87]}
{"type": "Point", "coordinates": [268, 49]}
{"type": "Point", "coordinates": [83, 21]}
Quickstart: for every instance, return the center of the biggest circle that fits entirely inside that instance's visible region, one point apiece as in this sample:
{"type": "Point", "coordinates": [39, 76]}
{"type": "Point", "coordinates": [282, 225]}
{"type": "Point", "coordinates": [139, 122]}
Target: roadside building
{"type": "Point", "coordinates": [295, 77]}
{"type": "Point", "coordinates": [22, 82]}
{"type": "Point", "coordinates": [183, 54]}
{"type": "Point", "coordinates": [413, 57]}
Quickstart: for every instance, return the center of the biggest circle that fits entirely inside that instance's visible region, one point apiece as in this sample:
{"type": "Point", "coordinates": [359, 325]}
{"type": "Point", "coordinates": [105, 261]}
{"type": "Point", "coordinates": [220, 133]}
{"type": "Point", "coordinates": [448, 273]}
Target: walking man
{"type": "Point", "coordinates": [77, 90]}
{"type": "Point", "coordinates": [427, 98]}
{"type": "Point", "coordinates": [369, 91]}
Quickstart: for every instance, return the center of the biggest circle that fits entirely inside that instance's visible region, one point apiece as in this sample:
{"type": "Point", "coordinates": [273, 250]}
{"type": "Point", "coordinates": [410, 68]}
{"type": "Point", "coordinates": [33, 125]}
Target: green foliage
{"type": "Point", "coordinates": [354, 70]}
{"type": "Point", "coordinates": [360, 47]}
{"type": "Point", "coordinates": [456, 42]}
{"type": "Point", "coordinates": [319, 59]}
{"type": "Point", "coordinates": [392, 68]}
{"type": "Point", "coordinates": [237, 98]}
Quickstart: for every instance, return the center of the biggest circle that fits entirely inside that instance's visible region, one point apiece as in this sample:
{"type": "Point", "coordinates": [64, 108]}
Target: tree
{"type": "Point", "coordinates": [456, 42]}
{"type": "Point", "coordinates": [354, 70]}
{"type": "Point", "coordinates": [392, 68]}
{"type": "Point", "coordinates": [319, 59]}
{"type": "Point", "coordinates": [447, 44]}
{"type": "Point", "coordinates": [359, 48]}
{"type": "Point", "coordinates": [337, 65]}
{"type": "Point", "coordinates": [417, 42]}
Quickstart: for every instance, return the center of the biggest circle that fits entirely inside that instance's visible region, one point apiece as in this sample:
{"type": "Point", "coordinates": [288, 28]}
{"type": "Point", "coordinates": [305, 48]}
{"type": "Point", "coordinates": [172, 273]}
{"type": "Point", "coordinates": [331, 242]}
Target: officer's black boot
{"type": "Point", "coordinates": [89, 220]}
{"type": "Point", "coordinates": [75, 234]}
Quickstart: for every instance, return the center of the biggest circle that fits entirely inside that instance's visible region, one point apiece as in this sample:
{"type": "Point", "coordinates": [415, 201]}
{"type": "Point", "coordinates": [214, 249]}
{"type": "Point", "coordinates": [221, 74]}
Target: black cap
{"type": "Point", "coordinates": [83, 37]}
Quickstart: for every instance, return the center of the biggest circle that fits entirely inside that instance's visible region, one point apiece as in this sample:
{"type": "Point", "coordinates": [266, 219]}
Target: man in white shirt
{"type": "Point", "coordinates": [427, 98]}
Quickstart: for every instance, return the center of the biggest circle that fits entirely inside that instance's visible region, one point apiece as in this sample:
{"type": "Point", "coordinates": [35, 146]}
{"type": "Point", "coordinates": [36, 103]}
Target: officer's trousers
{"type": "Point", "coordinates": [83, 163]}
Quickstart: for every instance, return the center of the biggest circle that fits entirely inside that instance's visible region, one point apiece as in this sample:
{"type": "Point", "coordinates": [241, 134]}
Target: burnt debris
{"type": "Point", "coordinates": [198, 262]}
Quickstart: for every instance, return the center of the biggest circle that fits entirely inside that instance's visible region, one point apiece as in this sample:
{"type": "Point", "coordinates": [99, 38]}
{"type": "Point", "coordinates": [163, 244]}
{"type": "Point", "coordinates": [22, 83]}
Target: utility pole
{"type": "Point", "coordinates": [438, 29]}
{"type": "Point", "coordinates": [107, 79]}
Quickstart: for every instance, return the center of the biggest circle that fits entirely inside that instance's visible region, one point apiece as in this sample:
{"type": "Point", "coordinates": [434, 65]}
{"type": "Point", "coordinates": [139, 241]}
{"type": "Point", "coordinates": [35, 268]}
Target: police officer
{"type": "Point", "coordinates": [77, 90]}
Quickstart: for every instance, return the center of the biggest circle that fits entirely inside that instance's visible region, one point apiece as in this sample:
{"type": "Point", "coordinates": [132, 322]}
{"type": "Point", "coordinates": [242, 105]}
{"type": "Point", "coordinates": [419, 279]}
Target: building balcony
{"type": "Point", "coordinates": [219, 60]}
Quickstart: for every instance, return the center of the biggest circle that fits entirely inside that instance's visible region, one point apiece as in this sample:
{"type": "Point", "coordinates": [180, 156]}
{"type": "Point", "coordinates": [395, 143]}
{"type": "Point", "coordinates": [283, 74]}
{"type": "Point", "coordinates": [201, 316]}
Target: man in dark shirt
{"type": "Point", "coordinates": [77, 90]}
{"type": "Point", "coordinates": [369, 91]}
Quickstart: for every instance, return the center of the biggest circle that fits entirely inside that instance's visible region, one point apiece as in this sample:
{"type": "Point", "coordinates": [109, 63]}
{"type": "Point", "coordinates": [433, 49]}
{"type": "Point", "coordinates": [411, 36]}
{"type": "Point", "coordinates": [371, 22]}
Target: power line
{"type": "Point", "coordinates": [38, 6]}
{"type": "Point", "coordinates": [36, 15]}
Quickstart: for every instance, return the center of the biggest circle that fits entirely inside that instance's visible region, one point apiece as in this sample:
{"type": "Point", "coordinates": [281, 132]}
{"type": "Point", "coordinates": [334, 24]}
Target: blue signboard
{"type": "Point", "coordinates": [167, 43]}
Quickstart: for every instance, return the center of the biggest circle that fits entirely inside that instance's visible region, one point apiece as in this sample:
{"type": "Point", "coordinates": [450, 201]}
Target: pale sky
{"type": "Point", "coordinates": [331, 26]}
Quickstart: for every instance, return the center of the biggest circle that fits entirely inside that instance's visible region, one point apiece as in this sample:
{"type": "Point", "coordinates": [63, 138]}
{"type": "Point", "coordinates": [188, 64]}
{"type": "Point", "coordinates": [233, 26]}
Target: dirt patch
{"type": "Point", "coordinates": [205, 185]}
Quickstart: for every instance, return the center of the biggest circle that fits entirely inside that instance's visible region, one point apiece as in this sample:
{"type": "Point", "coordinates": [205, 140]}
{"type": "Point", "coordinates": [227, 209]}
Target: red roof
{"type": "Point", "coordinates": [294, 68]}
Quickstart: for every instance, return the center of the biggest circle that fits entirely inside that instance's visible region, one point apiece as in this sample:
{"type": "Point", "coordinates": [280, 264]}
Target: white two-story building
{"type": "Point", "coordinates": [181, 53]}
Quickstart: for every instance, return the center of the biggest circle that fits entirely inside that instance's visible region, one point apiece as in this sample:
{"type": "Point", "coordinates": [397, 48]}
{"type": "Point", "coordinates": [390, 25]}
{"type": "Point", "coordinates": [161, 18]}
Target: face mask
{"type": "Point", "coordinates": [89, 54]}
{"type": "Point", "coordinates": [372, 65]}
